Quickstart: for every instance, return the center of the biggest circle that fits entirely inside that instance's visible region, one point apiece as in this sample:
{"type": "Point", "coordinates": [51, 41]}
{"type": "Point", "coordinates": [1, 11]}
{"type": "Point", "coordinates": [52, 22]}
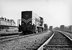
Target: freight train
{"type": "Point", "coordinates": [31, 22]}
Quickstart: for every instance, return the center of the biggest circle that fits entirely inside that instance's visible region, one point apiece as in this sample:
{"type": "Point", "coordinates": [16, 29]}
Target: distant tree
{"type": "Point", "coordinates": [45, 26]}
{"type": "Point", "coordinates": [41, 21]}
{"type": "Point", "coordinates": [56, 28]}
{"type": "Point", "coordinates": [69, 28]}
{"type": "Point", "coordinates": [12, 21]}
{"type": "Point", "coordinates": [62, 27]}
{"type": "Point", "coordinates": [50, 27]}
{"type": "Point", "coordinates": [5, 19]}
{"type": "Point", "coordinates": [2, 18]}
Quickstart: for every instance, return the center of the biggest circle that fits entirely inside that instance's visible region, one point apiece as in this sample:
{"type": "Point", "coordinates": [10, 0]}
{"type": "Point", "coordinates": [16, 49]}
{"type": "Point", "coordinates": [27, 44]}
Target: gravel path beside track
{"type": "Point", "coordinates": [28, 43]}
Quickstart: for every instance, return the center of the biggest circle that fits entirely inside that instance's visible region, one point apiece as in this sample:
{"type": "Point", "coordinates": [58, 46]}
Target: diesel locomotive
{"type": "Point", "coordinates": [30, 22]}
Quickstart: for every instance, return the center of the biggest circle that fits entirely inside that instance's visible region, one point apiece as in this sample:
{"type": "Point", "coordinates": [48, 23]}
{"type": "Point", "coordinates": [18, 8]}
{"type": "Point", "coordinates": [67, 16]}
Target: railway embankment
{"type": "Point", "coordinates": [28, 43]}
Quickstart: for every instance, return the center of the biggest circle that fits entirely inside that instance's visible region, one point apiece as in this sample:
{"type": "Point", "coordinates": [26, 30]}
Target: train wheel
{"type": "Point", "coordinates": [41, 29]}
{"type": "Point", "coordinates": [30, 32]}
{"type": "Point", "coordinates": [25, 33]}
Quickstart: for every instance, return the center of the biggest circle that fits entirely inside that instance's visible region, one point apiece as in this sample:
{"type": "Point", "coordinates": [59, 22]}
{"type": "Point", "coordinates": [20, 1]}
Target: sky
{"type": "Point", "coordinates": [54, 12]}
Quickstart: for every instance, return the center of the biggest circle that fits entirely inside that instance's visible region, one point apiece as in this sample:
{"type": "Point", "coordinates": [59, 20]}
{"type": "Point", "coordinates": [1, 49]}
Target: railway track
{"type": "Point", "coordinates": [13, 37]}
{"type": "Point", "coordinates": [9, 38]}
{"type": "Point", "coordinates": [68, 35]}
{"type": "Point", "coordinates": [58, 42]}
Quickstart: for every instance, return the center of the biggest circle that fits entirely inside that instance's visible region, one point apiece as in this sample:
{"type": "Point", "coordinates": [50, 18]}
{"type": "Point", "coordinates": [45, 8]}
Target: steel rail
{"type": "Point", "coordinates": [46, 42]}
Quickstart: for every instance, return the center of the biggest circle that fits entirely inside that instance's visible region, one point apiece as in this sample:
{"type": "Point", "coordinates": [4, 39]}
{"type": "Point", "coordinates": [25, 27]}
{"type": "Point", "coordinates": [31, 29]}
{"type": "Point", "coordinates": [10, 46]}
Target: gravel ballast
{"type": "Point", "coordinates": [28, 43]}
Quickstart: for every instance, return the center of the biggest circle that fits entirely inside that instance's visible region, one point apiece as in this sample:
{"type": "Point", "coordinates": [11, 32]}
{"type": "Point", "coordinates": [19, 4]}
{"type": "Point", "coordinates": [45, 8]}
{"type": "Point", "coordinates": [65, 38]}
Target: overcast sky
{"type": "Point", "coordinates": [54, 12]}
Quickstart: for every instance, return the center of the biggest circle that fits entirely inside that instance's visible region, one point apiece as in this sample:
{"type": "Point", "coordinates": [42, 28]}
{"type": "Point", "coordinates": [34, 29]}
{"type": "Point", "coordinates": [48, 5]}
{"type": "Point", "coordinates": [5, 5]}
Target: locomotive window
{"type": "Point", "coordinates": [26, 15]}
